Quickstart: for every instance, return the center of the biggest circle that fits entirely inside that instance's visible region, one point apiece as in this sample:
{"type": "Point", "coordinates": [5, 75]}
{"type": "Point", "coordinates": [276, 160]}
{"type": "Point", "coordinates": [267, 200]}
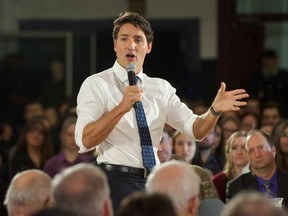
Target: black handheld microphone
{"type": "Point", "coordinates": [131, 74]}
{"type": "Point", "coordinates": [131, 77]}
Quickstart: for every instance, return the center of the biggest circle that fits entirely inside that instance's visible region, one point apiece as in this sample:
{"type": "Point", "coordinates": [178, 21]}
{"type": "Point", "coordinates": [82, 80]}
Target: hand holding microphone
{"type": "Point", "coordinates": [131, 77]}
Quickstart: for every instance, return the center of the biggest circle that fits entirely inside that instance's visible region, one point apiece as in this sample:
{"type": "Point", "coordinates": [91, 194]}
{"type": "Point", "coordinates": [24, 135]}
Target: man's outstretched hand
{"type": "Point", "coordinates": [229, 100]}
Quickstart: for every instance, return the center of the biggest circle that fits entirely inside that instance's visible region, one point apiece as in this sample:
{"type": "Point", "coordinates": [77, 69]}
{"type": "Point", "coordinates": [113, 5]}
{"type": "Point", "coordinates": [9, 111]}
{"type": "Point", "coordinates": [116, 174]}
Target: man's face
{"type": "Point", "coordinates": [165, 148]}
{"type": "Point", "coordinates": [270, 116]}
{"type": "Point", "coordinates": [260, 153]}
{"type": "Point", "coordinates": [32, 110]}
{"type": "Point", "coordinates": [131, 46]}
{"type": "Point", "coordinates": [207, 142]}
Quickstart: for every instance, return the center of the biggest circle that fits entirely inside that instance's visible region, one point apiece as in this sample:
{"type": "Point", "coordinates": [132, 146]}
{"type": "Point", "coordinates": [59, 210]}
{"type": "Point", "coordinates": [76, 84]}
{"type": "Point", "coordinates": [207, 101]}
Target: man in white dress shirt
{"type": "Point", "coordinates": [106, 118]}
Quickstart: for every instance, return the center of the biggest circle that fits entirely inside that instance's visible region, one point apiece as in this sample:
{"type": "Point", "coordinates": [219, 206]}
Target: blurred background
{"type": "Point", "coordinates": [47, 48]}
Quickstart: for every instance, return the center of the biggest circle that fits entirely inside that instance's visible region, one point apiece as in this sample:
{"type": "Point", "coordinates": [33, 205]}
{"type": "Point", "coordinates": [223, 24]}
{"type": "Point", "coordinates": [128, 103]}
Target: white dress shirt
{"type": "Point", "coordinates": [101, 92]}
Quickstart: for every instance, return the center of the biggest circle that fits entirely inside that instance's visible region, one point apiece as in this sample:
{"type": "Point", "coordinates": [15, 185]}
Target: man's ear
{"type": "Point", "coordinates": [107, 208]}
{"type": "Point", "coordinates": [193, 204]}
{"type": "Point", "coordinates": [273, 151]}
{"type": "Point", "coordinates": [149, 48]}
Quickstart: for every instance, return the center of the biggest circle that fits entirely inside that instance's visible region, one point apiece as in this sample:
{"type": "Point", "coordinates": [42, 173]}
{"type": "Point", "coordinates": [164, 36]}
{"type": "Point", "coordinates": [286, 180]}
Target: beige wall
{"type": "Point", "coordinates": [11, 11]}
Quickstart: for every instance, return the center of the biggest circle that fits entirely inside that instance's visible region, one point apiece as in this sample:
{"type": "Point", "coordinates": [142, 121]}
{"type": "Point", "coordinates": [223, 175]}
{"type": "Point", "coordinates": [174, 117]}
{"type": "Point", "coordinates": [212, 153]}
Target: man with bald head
{"type": "Point", "coordinates": [180, 182]}
{"type": "Point", "coordinates": [28, 192]}
{"type": "Point", "coordinates": [83, 189]}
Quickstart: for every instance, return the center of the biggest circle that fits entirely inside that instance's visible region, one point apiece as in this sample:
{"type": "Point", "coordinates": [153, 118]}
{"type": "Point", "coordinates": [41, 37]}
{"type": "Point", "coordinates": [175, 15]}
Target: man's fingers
{"type": "Point", "coordinates": [222, 87]}
{"type": "Point", "coordinates": [241, 96]}
{"type": "Point", "coordinates": [240, 103]}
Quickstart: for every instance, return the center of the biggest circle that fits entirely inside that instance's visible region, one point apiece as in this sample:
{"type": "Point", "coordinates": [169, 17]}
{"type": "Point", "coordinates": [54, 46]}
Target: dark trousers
{"type": "Point", "coordinates": [123, 184]}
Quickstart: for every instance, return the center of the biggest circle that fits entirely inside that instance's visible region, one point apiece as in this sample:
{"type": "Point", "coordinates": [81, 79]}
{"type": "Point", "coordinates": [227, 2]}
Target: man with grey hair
{"type": "Point", "coordinates": [28, 192]}
{"type": "Point", "coordinates": [251, 203]}
{"type": "Point", "coordinates": [179, 182]}
{"type": "Point", "coordinates": [83, 189]}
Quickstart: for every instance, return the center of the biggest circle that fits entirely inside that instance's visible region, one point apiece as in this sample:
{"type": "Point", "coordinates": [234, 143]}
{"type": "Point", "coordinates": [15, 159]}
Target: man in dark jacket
{"type": "Point", "coordinates": [264, 175]}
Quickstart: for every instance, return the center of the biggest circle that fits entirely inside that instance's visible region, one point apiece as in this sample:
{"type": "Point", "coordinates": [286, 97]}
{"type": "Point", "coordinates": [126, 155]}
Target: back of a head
{"type": "Point", "coordinates": [251, 204]}
{"type": "Point", "coordinates": [142, 204]}
{"type": "Point", "coordinates": [177, 180]}
{"type": "Point", "coordinates": [82, 188]}
{"type": "Point", "coordinates": [28, 192]}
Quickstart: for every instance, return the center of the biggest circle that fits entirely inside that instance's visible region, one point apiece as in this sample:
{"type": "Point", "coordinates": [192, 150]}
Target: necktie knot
{"type": "Point", "coordinates": [136, 79]}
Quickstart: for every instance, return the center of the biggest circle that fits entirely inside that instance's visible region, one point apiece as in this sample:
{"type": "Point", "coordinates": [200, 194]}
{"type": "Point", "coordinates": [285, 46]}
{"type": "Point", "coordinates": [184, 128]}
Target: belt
{"type": "Point", "coordinates": [140, 172]}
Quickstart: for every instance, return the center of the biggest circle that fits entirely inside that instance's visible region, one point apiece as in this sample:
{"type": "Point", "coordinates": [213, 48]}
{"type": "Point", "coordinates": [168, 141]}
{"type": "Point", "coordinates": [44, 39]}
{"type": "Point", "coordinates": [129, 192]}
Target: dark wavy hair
{"type": "Point", "coordinates": [136, 20]}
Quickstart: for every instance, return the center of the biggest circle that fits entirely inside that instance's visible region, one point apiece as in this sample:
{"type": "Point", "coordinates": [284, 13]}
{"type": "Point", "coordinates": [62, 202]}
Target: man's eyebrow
{"type": "Point", "coordinates": [124, 35]}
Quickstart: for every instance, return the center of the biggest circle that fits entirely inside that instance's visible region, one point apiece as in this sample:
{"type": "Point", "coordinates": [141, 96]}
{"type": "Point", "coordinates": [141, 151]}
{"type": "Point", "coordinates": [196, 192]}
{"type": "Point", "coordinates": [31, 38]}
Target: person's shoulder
{"type": "Point", "coordinates": [241, 179]}
{"type": "Point", "coordinates": [97, 77]}
{"type": "Point", "coordinates": [53, 160]}
{"type": "Point", "coordinates": [282, 173]}
{"type": "Point", "coordinates": [203, 173]}
{"type": "Point", "coordinates": [100, 74]}
{"type": "Point", "coordinates": [157, 81]}
{"type": "Point", "coordinates": [219, 176]}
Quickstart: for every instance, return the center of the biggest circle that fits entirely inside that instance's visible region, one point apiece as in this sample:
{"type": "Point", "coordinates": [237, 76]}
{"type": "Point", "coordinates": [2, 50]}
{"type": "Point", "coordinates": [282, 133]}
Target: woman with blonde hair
{"type": "Point", "coordinates": [236, 162]}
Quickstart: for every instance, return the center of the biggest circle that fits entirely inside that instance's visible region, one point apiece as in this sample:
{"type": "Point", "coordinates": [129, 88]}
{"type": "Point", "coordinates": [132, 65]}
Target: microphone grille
{"type": "Point", "coordinates": [130, 67]}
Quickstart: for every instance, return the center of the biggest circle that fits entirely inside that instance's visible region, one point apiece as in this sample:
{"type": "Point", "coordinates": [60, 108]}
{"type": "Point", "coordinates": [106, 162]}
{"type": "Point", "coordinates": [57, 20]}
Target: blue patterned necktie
{"type": "Point", "coordinates": [267, 187]}
{"type": "Point", "coordinates": [148, 156]}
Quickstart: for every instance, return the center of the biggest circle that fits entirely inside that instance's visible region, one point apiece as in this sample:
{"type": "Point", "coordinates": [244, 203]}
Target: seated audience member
{"type": "Point", "coordinates": [52, 117]}
{"type": "Point", "coordinates": [271, 114]}
{"type": "Point", "coordinates": [253, 106]}
{"type": "Point", "coordinates": [32, 109]}
{"type": "Point", "coordinates": [271, 81]}
{"type": "Point", "coordinates": [28, 192]}
{"type": "Point", "coordinates": [229, 125]}
{"type": "Point", "coordinates": [154, 204]}
{"type": "Point", "coordinates": [267, 128]}
{"type": "Point", "coordinates": [264, 175]}
{"type": "Point", "coordinates": [33, 148]}
{"type": "Point", "coordinates": [207, 187]}
{"type": "Point", "coordinates": [249, 121]}
{"type": "Point", "coordinates": [82, 189]}
{"type": "Point", "coordinates": [236, 162]}
{"type": "Point", "coordinates": [251, 204]}
{"type": "Point", "coordinates": [204, 156]}
{"type": "Point", "coordinates": [217, 139]}
{"type": "Point", "coordinates": [182, 188]}
{"type": "Point", "coordinates": [68, 156]}
{"type": "Point", "coordinates": [280, 135]}
{"type": "Point", "coordinates": [164, 150]}
{"type": "Point", "coordinates": [183, 147]}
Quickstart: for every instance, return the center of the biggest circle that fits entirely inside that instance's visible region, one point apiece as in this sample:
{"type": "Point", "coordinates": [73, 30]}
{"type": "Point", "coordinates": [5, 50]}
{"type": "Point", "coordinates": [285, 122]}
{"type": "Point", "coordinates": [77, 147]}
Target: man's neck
{"type": "Point", "coordinates": [265, 173]}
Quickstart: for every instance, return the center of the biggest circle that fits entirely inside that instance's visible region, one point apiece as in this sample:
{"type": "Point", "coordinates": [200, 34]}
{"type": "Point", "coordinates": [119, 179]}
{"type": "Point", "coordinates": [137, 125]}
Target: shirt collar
{"type": "Point", "coordinates": [121, 73]}
{"type": "Point", "coordinates": [272, 180]}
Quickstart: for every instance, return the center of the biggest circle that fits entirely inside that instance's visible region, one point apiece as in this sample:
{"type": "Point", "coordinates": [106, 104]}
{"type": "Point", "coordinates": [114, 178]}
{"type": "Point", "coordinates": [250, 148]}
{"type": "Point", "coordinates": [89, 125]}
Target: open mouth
{"type": "Point", "coordinates": [130, 56]}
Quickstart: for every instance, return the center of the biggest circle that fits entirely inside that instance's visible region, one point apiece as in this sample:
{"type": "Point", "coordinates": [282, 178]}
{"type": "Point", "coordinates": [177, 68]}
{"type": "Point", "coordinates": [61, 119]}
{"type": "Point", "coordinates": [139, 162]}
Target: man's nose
{"type": "Point", "coordinates": [131, 44]}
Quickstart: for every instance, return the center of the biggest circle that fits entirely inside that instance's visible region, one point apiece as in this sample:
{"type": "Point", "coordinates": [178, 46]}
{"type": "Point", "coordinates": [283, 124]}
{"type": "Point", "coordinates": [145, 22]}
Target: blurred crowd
{"type": "Point", "coordinates": [37, 145]}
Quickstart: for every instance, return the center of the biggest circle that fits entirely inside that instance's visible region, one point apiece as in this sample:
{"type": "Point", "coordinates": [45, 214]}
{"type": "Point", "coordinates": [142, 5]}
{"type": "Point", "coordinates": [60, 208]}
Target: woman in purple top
{"type": "Point", "coordinates": [68, 156]}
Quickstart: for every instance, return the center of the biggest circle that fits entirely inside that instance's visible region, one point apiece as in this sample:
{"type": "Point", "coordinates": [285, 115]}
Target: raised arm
{"type": "Point", "coordinates": [96, 132]}
{"type": "Point", "coordinates": [224, 101]}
